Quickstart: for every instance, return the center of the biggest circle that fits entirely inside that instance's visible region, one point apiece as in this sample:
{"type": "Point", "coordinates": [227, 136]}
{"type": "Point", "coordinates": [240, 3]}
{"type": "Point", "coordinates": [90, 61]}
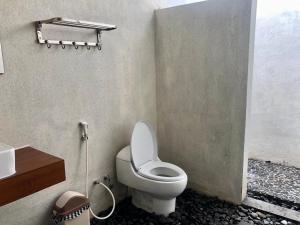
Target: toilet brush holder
{"type": "Point", "coordinates": [71, 208]}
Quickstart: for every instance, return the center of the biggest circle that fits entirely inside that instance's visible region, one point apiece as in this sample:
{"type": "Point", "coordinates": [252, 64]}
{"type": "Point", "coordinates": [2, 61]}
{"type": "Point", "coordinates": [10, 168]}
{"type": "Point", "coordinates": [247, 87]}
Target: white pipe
{"type": "Point", "coordinates": [87, 180]}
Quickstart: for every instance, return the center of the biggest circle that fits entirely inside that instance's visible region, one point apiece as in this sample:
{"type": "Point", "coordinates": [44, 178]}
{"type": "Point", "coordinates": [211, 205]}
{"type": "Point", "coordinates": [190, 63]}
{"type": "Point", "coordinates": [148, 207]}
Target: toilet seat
{"type": "Point", "coordinates": [162, 171]}
{"type": "Point", "coordinates": [145, 159]}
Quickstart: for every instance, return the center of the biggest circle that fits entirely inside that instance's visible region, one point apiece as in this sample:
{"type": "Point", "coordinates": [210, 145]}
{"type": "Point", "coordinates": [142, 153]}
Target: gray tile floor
{"type": "Point", "coordinates": [276, 180]}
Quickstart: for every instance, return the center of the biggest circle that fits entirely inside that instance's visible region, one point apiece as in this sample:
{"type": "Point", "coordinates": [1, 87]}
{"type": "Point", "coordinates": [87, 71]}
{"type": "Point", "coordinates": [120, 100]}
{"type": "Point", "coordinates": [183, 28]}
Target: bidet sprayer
{"type": "Point", "coordinates": [84, 137]}
{"type": "Point", "coordinates": [84, 127]}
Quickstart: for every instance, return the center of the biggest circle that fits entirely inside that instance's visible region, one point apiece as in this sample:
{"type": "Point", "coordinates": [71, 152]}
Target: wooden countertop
{"type": "Point", "coordinates": [35, 170]}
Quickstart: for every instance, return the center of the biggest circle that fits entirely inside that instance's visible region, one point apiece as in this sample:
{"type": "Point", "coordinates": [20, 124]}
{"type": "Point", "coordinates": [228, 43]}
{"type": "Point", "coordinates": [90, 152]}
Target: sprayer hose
{"type": "Point", "coordinates": [86, 186]}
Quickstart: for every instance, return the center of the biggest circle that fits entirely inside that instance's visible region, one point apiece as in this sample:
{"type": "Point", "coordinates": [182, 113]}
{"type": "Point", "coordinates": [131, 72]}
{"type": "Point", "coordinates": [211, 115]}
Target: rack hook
{"type": "Point", "coordinates": [63, 46]}
{"type": "Point", "coordinates": [88, 47]}
{"type": "Point", "coordinates": [75, 45]}
{"type": "Point", "coordinates": [99, 40]}
{"type": "Point", "coordinates": [48, 45]}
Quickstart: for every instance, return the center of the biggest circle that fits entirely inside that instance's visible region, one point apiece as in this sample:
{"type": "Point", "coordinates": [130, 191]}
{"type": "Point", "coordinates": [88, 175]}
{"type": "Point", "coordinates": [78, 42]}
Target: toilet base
{"type": "Point", "coordinates": [151, 204]}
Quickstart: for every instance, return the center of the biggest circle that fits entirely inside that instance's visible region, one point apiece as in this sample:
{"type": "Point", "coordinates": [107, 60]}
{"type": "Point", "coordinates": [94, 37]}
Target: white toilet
{"type": "Point", "coordinates": [155, 184]}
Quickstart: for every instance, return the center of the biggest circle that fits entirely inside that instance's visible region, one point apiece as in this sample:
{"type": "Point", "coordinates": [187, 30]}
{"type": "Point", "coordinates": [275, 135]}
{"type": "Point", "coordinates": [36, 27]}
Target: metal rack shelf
{"type": "Point", "coordinates": [99, 27]}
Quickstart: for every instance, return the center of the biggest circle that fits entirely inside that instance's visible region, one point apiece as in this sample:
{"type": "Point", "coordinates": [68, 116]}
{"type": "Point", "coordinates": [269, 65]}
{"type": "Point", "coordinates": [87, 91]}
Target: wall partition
{"type": "Point", "coordinates": [204, 61]}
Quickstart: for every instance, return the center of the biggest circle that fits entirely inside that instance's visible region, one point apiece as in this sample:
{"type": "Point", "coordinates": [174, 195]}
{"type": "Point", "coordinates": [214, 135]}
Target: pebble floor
{"type": "Point", "coordinates": [193, 208]}
{"type": "Point", "coordinates": [279, 181]}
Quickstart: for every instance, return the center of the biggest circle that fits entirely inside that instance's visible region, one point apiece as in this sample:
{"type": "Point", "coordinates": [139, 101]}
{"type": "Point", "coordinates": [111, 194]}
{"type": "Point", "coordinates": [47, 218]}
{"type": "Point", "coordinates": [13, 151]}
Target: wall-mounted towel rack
{"type": "Point", "coordinates": [99, 27]}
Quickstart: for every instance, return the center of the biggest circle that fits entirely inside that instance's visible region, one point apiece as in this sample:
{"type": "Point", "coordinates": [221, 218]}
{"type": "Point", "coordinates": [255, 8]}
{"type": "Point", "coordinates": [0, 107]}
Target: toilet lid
{"type": "Point", "coordinates": [143, 144]}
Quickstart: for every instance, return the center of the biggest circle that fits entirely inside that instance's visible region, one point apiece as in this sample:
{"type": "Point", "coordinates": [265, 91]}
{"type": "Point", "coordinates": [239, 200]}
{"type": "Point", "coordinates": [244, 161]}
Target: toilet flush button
{"type": "Point", "coordinates": [1, 61]}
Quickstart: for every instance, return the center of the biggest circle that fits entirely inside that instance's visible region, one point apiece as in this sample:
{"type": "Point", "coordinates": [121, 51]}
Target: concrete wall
{"type": "Point", "coordinates": [202, 71]}
{"type": "Point", "coordinates": [274, 128]}
{"type": "Point", "coordinates": [171, 3]}
{"type": "Point", "coordinates": [46, 92]}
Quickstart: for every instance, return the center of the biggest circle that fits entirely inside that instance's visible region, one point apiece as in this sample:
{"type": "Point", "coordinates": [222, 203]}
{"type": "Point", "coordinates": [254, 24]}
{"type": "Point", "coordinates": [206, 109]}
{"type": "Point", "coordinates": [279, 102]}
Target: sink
{"type": "Point", "coordinates": [7, 161]}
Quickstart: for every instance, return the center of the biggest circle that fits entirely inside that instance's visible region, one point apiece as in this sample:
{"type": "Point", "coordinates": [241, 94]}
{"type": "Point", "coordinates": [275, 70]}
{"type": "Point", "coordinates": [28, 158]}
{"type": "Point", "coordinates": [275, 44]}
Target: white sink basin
{"type": "Point", "coordinates": [7, 161]}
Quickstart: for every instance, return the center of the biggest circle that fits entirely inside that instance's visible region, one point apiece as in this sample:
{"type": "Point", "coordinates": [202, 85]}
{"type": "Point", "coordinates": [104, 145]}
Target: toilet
{"type": "Point", "coordinates": [154, 184]}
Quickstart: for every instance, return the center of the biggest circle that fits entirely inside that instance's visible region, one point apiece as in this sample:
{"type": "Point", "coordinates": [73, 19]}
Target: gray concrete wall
{"type": "Point", "coordinates": [202, 71]}
{"type": "Point", "coordinates": [46, 92]}
{"type": "Point", "coordinates": [274, 128]}
{"type": "Point", "coordinates": [171, 3]}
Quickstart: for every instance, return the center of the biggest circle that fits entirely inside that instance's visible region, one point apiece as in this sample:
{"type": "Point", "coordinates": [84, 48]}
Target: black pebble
{"type": "Point", "coordinates": [192, 209]}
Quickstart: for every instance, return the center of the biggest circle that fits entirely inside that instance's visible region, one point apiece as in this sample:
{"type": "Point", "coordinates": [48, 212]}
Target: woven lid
{"type": "Point", "coordinates": [69, 205]}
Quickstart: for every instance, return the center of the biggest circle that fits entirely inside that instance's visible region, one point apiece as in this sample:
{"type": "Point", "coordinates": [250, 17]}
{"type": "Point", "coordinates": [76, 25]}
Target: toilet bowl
{"type": "Point", "coordinates": [155, 184]}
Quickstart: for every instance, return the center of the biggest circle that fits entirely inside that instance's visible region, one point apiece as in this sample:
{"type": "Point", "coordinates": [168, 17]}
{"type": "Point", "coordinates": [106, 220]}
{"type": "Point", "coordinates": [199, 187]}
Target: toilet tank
{"type": "Point", "coordinates": [124, 154]}
{"type": "Point", "coordinates": [124, 167]}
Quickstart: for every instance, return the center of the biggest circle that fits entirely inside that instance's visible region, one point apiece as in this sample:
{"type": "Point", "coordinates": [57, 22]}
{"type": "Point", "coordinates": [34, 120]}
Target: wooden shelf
{"type": "Point", "coordinates": [35, 170]}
